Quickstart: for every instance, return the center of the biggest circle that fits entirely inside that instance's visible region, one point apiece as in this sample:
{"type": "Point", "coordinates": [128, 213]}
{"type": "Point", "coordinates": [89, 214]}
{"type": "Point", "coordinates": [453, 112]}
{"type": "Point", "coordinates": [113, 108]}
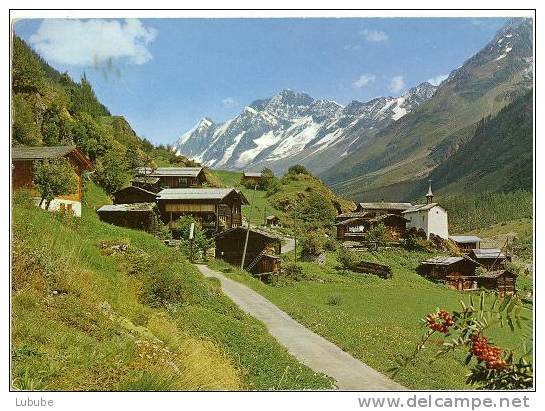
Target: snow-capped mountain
{"type": "Point", "coordinates": [293, 127]}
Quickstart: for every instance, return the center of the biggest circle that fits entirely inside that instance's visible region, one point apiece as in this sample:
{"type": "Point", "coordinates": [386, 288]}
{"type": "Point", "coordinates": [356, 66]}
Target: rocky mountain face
{"type": "Point", "coordinates": [394, 163]}
{"type": "Point", "coordinates": [293, 127]}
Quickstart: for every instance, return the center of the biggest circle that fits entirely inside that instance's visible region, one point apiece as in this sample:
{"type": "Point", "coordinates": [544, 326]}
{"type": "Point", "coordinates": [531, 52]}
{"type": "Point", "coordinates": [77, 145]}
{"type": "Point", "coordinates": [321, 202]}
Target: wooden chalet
{"type": "Point", "coordinates": [23, 159]}
{"type": "Point", "coordinates": [133, 194]}
{"type": "Point", "coordinates": [456, 272]}
{"type": "Point", "coordinates": [272, 221]}
{"type": "Point", "coordinates": [382, 207]}
{"type": "Point", "coordinates": [148, 183]}
{"type": "Point", "coordinates": [351, 227]}
{"type": "Point", "coordinates": [262, 253]}
{"type": "Point", "coordinates": [503, 281]}
{"type": "Point", "coordinates": [216, 208]}
{"type": "Point", "coordinates": [175, 177]}
{"type": "Point", "coordinates": [142, 216]}
{"type": "Point", "coordinates": [490, 258]}
{"type": "Point", "coordinates": [466, 243]}
{"type": "Point", "coordinates": [251, 177]}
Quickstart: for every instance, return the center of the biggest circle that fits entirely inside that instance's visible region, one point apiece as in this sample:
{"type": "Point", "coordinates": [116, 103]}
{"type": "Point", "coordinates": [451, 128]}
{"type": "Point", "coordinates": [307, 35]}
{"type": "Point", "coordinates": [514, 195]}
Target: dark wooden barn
{"type": "Point", "coordinates": [466, 243]}
{"type": "Point", "coordinates": [23, 159]}
{"type": "Point", "coordinates": [354, 228]}
{"type": "Point", "coordinates": [216, 208]}
{"type": "Point", "coordinates": [503, 281]}
{"type": "Point", "coordinates": [132, 194]}
{"type": "Point", "coordinates": [351, 227]}
{"type": "Point", "coordinates": [142, 216]}
{"type": "Point", "coordinates": [230, 247]}
{"type": "Point", "coordinates": [456, 272]}
{"type": "Point", "coordinates": [175, 177]}
{"type": "Point", "coordinates": [490, 258]}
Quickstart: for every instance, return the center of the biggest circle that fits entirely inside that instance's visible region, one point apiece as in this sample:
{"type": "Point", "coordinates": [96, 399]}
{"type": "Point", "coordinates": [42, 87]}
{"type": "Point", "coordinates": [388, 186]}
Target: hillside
{"type": "Point", "coordinates": [49, 108]}
{"type": "Point", "coordinates": [390, 164]}
{"type": "Point", "coordinates": [98, 307]}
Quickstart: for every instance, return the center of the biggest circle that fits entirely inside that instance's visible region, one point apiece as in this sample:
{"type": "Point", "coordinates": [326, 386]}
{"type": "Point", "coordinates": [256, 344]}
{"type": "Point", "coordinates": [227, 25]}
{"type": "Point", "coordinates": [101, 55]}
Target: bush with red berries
{"type": "Point", "coordinates": [491, 366]}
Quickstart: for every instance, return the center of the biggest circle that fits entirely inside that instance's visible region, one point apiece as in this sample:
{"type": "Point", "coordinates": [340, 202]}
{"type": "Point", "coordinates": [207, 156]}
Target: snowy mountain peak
{"type": "Point", "coordinates": [294, 127]}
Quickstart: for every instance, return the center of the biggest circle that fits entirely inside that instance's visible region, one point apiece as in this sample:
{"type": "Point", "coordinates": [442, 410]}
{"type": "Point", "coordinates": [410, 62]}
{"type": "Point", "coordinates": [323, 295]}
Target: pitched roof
{"type": "Point", "coordinates": [352, 214]}
{"type": "Point", "coordinates": [488, 253]}
{"type": "Point", "coordinates": [350, 220]}
{"type": "Point", "coordinates": [496, 273]}
{"type": "Point", "coordinates": [170, 171]}
{"type": "Point", "coordinates": [464, 239]}
{"type": "Point", "coordinates": [385, 206]}
{"type": "Point", "coordinates": [198, 194]}
{"type": "Point", "coordinates": [47, 152]}
{"type": "Point", "coordinates": [127, 207]}
{"type": "Point", "coordinates": [132, 188]}
{"type": "Point", "coordinates": [442, 260]}
{"type": "Point", "coordinates": [254, 230]}
{"type": "Point", "coordinates": [251, 174]}
{"type": "Point", "coordinates": [421, 207]}
{"type": "Point", "coordinates": [145, 179]}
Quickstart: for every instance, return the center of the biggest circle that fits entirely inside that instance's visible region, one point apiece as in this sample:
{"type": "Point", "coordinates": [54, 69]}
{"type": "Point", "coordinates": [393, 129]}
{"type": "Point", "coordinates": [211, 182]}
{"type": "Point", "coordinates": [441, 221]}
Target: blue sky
{"type": "Point", "coordinates": [163, 75]}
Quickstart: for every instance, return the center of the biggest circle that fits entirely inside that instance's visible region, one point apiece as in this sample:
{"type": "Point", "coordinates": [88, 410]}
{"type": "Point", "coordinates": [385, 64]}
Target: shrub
{"type": "Point", "coordinates": [334, 299]}
{"type": "Point", "coordinates": [293, 271]}
{"type": "Point", "coordinates": [313, 243]}
{"type": "Point", "coordinates": [347, 259]}
{"type": "Point", "coordinates": [316, 210]}
{"type": "Point", "coordinates": [163, 288]}
{"type": "Point", "coordinates": [377, 234]}
{"type": "Point", "coordinates": [297, 169]}
{"type": "Point", "coordinates": [54, 178]}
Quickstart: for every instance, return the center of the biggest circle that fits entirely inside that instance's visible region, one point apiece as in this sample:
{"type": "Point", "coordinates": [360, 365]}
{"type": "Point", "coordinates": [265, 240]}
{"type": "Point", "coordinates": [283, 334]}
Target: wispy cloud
{"type": "Point", "coordinates": [437, 79]}
{"type": "Point", "coordinates": [352, 47]}
{"type": "Point", "coordinates": [397, 83]}
{"type": "Point", "coordinates": [364, 80]}
{"type": "Point", "coordinates": [229, 102]}
{"type": "Point", "coordinates": [374, 36]}
{"type": "Point", "coordinates": [93, 42]}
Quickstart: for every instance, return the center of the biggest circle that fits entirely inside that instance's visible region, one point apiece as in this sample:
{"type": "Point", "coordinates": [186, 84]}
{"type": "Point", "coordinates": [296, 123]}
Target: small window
{"type": "Point", "coordinates": [62, 208]}
{"type": "Point", "coordinates": [69, 209]}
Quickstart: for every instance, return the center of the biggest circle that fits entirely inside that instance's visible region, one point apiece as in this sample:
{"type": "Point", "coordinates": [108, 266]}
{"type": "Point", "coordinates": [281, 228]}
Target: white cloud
{"type": "Point", "coordinates": [437, 79]}
{"type": "Point", "coordinates": [364, 80]}
{"type": "Point", "coordinates": [93, 42]}
{"type": "Point", "coordinates": [397, 83]}
{"type": "Point", "coordinates": [374, 36]}
{"type": "Point", "coordinates": [229, 102]}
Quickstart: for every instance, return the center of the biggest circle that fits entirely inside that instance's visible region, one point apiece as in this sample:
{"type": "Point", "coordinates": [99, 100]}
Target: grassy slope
{"type": "Point", "coordinates": [376, 319]}
{"type": "Point", "coordinates": [99, 330]}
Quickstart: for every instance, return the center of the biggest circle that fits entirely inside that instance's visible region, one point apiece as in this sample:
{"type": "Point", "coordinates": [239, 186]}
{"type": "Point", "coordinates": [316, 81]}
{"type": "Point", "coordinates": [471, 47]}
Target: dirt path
{"type": "Point", "coordinates": [307, 346]}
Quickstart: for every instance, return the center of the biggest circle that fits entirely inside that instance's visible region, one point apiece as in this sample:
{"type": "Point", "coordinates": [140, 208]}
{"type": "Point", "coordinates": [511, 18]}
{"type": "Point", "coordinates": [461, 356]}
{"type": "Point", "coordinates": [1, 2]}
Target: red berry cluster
{"type": "Point", "coordinates": [440, 321]}
{"type": "Point", "coordinates": [486, 352]}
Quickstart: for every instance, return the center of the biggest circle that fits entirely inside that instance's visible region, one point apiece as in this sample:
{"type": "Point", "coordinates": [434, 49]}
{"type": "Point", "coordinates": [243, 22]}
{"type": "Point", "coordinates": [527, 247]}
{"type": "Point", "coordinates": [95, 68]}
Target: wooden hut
{"type": "Point", "coordinates": [23, 159]}
{"type": "Point", "coordinates": [503, 281]}
{"type": "Point", "coordinates": [490, 258]}
{"type": "Point", "coordinates": [395, 224]}
{"type": "Point", "coordinates": [351, 228]}
{"type": "Point", "coordinates": [456, 272]}
{"type": "Point", "coordinates": [133, 194]}
{"type": "Point", "coordinates": [142, 216]}
{"type": "Point", "coordinates": [466, 243]}
{"type": "Point", "coordinates": [230, 247]}
{"type": "Point", "coordinates": [272, 221]}
{"type": "Point", "coordinates": [175, 177]}
{"type": "Point", "coordinates": [251, 178]}
{"type": "Point", "coordinates": [216, 208]}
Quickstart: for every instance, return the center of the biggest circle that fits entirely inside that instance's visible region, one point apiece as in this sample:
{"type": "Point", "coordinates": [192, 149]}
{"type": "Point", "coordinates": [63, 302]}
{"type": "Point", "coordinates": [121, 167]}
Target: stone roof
{"type": "Point", "coordinates": [421, 207]}
{"type": "Point", "coordinates": [127, 207]}
{"type": "Point", "coordinates": [442, 260]}
{"type": "Point", "coordinates": [488, 253]}
{"type": "Point", "coordinates": [464, 239]}
{"type": "Point", "coordinates": [170, 171]}
{"type": "Point", "coordinates": [385, 206]}
{"type": "Point", "coordinates": [496, 273]}
{"type": "Point", "coordinates": [47, 152]}
{"type": "Point", "coordinates": [197, 194]}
